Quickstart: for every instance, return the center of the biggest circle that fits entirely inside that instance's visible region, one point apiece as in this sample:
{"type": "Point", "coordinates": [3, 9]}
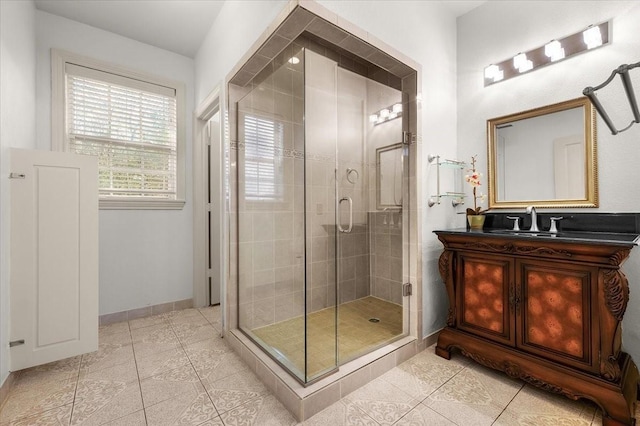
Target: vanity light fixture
{"type": "Point", "coordinates": [386, 114]}
{"type": "Point", "coordinates": [554, 51]}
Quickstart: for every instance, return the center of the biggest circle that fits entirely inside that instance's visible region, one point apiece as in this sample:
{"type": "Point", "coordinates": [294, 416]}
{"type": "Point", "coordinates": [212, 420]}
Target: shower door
{"type": "Point", "coordinates": [285, 224]}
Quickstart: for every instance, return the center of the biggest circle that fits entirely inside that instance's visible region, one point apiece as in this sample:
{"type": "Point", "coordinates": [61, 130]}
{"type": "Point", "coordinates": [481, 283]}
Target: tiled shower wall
{"type": "Point", "coordinates": [386, 255]}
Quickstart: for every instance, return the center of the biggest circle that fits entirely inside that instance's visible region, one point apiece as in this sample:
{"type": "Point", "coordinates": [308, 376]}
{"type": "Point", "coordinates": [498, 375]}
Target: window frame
{"type": "Point", "coordinates": [59, 141]}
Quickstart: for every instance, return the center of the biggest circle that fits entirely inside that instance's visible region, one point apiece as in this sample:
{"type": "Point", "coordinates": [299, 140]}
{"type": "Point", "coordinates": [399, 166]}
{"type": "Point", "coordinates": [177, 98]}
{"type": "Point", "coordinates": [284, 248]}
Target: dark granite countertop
{"type": "Point", "coordinates": [609, 238]}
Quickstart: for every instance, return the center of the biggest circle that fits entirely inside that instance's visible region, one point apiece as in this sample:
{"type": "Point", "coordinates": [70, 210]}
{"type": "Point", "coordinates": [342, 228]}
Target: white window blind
{"type": "Point", "coordinates": [130, 125]}
{"type": "Point", "coordinates": [263, 158]}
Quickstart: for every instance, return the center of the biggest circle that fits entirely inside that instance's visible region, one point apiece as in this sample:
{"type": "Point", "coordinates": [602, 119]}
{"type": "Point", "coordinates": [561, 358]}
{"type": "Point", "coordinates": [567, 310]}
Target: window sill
{"type": "Point", "coordinates": [140, 204]}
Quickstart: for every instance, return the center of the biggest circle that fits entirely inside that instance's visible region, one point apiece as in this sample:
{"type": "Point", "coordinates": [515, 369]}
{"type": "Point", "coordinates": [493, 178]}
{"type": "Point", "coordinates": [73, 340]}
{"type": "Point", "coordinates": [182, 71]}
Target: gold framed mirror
{"type": "Point", "coordinates": [545, 157]}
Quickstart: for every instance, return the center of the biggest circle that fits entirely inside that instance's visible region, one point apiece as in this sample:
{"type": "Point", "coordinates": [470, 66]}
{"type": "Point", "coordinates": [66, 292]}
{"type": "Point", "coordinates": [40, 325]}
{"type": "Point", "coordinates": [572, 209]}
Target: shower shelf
{"type": "Point", "coordinates": [457, 198]}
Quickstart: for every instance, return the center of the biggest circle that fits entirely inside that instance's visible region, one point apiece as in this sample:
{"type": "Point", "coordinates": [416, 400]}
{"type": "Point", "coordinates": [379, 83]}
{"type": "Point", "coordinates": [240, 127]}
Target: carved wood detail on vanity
{"type": "Point", "coordinates": [556, 317]}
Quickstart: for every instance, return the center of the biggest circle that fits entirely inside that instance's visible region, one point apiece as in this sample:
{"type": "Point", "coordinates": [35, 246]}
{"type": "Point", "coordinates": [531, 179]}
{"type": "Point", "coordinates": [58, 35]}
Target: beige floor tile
{"type": "Point", "coordinates": [125, 372]}
{"type": "Point", "coordinates": [510, 418]}
{"type": "Point", "coordinates": [215, 422]}
{"type": "Point", "coordinates": [262, 411]}
{"type": "Point", "coordinates": [423, 415]}
{"type": "Point", "coordinates": [191, 320]}
{"type": "Point", "coordinates": [118, 327]}
{"type": "Point", "coordinates": [340, 414]}
{"type": "Point", "coordinates": [234, 390]}
{"type": "Point", "coordinates": [156, 363]}
{"type": "Point", "coordinates": [532, 405]}
{"type": "Point", "coordinates": [106, 356]}
{"type": "Point", "coordinates": [422, 374]}
{"type": "Point", "coordinates": [215, 364]}
{"type": "Point", "coordinates": [216, 343]}
{"type": "Point", "coordinates": [159, 333]}
{"type": "Point", "coordinates": [123, 338]}
{"type": "Point", "coordinates": [192, 315]}
{"type": "Point", "coordinates": [133, 419]}
{"type": "Point", "coordinates": [187, 409]}
{"type": "Point", "coordinates": [213, 314]}
{"type": "Point", "coordinates": [35, 401]}
{"type": "Point", "coordinates": [101, 401]}
{"type": "Point", "coordinates": [475, 396]}
{"type": "Point", "coordinates": [191, 333]}
{"type": "Point", "coordinates": [170, 384]}
{"type": "Point", "coordinates": [59, 416]}
{"type": "Point", "coordinates": [148, 322]}
{"type": "Point", "coordinates": [63, 370]}
{"type": "Point", "coordinates": [382, 401]}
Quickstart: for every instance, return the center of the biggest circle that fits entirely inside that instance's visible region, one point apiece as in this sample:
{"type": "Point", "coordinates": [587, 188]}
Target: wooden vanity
{"type": "Point", "coordinates": [546, 309]}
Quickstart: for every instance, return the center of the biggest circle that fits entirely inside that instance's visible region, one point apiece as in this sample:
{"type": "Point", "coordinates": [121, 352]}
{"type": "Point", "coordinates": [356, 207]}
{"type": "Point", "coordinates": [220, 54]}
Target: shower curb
{"type": "Point", "coordinates": [304, 402]}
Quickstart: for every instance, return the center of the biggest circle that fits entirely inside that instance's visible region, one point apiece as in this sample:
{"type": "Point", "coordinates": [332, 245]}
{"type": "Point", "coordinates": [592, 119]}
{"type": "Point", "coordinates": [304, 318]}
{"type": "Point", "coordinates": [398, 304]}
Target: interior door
{"type": "Point", "coordinates": [54, 256]}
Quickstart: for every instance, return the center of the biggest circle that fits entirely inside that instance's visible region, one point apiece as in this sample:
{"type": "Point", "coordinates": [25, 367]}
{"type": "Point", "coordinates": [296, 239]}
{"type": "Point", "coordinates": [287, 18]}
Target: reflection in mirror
{"type": "Point", "coordinates": [389, 173]}
{"type": "Point", "coordinates": [544, 157]}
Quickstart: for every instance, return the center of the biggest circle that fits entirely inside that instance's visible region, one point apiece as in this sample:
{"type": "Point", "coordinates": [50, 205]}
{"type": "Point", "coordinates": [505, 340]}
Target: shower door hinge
{"type": "Point", "coordinates": [407, 289]}
{"type": "Point", "coordinates": [408, 138]}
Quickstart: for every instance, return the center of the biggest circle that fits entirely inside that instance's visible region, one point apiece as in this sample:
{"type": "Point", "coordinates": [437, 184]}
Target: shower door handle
{"type": "Point", "coordinates": [340, 228]}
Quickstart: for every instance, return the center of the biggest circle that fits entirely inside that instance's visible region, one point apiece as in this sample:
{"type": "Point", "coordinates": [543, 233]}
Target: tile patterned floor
{"type": "Point", "coordinates": [356, 334]}
{"type": "Point", "coordinates": [173, 369]}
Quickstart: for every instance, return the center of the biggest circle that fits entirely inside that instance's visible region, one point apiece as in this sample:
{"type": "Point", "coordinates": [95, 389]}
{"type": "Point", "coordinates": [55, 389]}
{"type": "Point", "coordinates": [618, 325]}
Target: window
{"type": "Point", "coordinates": [263, 159]}
{"type": "Point", "coordinates": [131, 122]}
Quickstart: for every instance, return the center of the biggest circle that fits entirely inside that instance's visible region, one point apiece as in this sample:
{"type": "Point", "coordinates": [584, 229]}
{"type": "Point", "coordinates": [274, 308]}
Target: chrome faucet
{"type": "Point", "coordinates": [534, 218]}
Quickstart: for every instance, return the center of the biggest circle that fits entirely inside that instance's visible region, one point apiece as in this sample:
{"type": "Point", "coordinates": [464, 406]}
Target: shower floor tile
{"type": "Point", "coordinates": [356, 334]}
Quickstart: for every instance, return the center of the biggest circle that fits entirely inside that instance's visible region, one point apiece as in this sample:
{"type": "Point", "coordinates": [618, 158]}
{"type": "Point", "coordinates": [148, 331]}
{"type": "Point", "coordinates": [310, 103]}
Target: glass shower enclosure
{"type": "Point", "coordinates": [321, 191]}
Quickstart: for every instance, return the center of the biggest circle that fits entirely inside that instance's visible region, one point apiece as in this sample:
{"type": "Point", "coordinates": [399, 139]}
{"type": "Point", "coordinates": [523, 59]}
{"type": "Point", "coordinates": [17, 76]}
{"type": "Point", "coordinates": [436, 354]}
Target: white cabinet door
{"type": "Point", "coordinates": [54, 256]}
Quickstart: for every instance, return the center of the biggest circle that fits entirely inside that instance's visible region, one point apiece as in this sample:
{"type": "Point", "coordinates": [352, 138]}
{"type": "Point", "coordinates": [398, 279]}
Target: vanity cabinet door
{"type": "Point", "coordinates": [483, 293]}
{"type": "Point", "coordinates": [555, 317]}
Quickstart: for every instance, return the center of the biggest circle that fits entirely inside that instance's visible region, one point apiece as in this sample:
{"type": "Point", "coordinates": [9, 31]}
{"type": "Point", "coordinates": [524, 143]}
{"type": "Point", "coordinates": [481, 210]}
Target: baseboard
{"type": "Point", "coordinates": [147, 311]}
{"type": "Point", "coordinates": [6, 388]}
{"type": "Point", "coordinates": [431, 339]}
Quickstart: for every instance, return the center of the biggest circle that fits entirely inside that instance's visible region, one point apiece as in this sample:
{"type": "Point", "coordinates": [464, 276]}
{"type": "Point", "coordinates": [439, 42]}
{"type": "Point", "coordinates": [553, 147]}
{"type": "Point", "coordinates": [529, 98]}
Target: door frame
{"type": "Point", "coordinates": [211, 105]}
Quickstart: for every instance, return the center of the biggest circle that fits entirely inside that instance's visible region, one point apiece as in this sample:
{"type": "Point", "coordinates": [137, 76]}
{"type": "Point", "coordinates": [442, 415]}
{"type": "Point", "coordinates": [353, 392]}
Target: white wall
{"type": "Point", "coordinates": [426, 32]}
{"type": "Point", "coordinates": [235, 29]}
{"type": "Point", "coordinates": [17, 107]}
{"type": "Point", "coordinates": [497, 30]}
{"type": "Point", "coordinates": [145, 256]}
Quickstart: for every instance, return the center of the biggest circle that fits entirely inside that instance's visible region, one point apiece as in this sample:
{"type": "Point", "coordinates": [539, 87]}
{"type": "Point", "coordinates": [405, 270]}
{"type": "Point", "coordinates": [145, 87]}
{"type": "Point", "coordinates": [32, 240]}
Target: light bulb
{"type": "Point", "coordinates": [397, 108]}
{"type": "Point", "coordinates": [521, 62]}
{"type": "Point", "coordinates": [554, 50]}
{"type": "Point", "coordinates": [294, 60]}
{"type": "Point", "coordinates": [493, 72]}
{"type": "Point", "coordinates": [373, 118]}
{"type": "Point", "coordinates": [384, 113]}
{"type": "Point", "coordinates": [592, 37]}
